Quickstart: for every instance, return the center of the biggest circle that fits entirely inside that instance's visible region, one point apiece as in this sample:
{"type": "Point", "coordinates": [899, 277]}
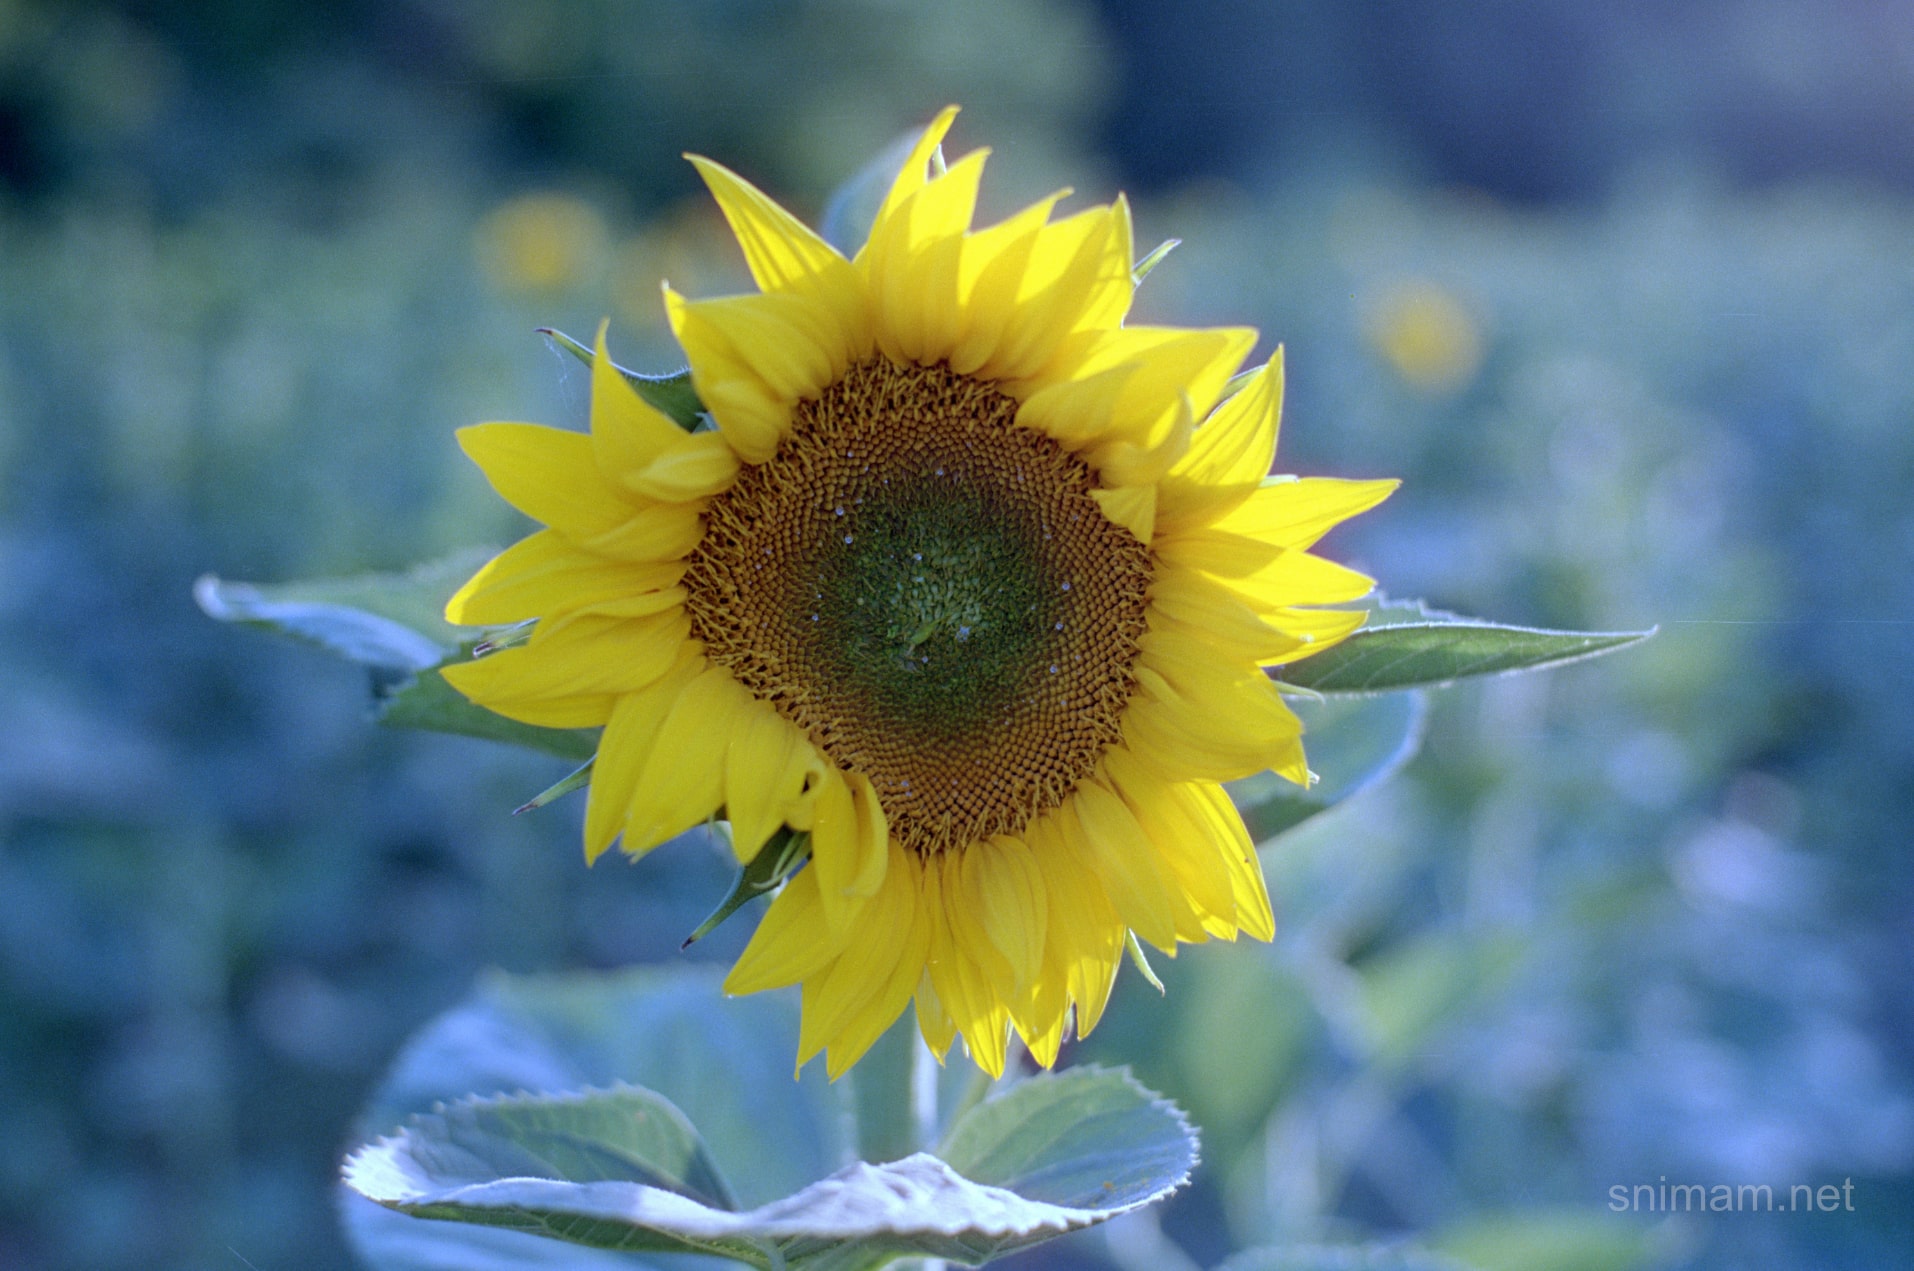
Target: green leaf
{"type": "Point", "coordinates": [1353, 743]}
{"type": "Point", "coordinates": [1052, 1155]}
{"type": "Point", "coordinates": [556, 1165]}
{"type": "Point", "coordinates": [427, 701]}
{"type": "Point", "coordinates": [726, 1062]}
{"type": "Point", "coordinates": [575, 1168]}
{"type": "Point", "coordinates": [1369, 1257]}
{"type": "Point", "coordinates": [670, 395]}
{"type": "Point", "coordinates": [626, 1134]}
{"type": "Point", "coordinates": [1090, 1139]}
{"type": "Point", "coordinates": [392, 622]}
{"type": "Point", "coordinates": [1407, 646]}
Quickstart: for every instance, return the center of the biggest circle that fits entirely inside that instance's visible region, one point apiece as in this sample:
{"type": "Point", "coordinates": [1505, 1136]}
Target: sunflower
{"type": "Point", "coordinates": [970, 583]}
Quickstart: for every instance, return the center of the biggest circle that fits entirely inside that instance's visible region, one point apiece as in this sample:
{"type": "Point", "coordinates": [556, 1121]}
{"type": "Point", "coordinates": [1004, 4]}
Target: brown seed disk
{"type": "Point", "coordinates": [928, 591]}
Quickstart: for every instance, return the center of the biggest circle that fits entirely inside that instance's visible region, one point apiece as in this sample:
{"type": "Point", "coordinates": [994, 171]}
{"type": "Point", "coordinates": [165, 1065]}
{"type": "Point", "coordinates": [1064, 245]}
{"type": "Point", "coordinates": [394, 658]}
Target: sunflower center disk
{"type": "Point", "coordinates": [928, 592]}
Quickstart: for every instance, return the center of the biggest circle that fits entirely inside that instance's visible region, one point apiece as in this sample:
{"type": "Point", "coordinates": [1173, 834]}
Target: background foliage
{"type": "Point", "coordinates": [1624, 296]}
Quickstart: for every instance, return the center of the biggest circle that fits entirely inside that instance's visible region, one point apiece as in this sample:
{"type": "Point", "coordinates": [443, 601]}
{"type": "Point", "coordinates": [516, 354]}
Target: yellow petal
{"type": "Point", "coordinates": [1313, 629]}
{"type": "Point", "coordinates": [916, 170]}
{"type": "Point", "coordinates": [1108, 297]}
{"type": "Point", "coordinates": [545, 575]}
{"type": "Point", "coordinates": [991, 973]}
{"type": "Point", "coordinates": [1083, 934]}
{"type": "Point", "coordinates": [792, 942]}
{"type": "Point", "coordinates": [1297, 578]}
{"type": "Point", "coordinates": [1208, 801]}
{"type": "Point", "coordinates": [1205, 609]}
{"type": "Point", "coordinates": [753, 357]}
{"type": "Point", "coordinates": [765, 768]}
{"type": "Point", "coordinates": [1069, 263]}
{"type": "Point", "coordinates": [602, 613]}
{"type": "Point", "coordinates": [549, 474]}
{"type": "Point", "coordinates": [906, 961]}
{"type": "Point", "coordinates": [490, 686]}
{"type": "Point", "coordinates": [1166, 364]}
{"type": "Point", "coordinates": [1181, 836]}
{"type": "Point", "coordinates": [697, 466]}
{"type": "Point", "coordinates": [957, 944]}
{"type": "Point", "coordinates": [1265, 574]}
{"type": "Point", "coordinates": [913, 262]}
{"type": "Point", "coordinates": [660, 532]}
{"type": "Point", "coordinates": [1126, 863]}
{"type": "Point", "coordinates": [1296, 513]}
{"type": "Point", "coordinates": [627, 743]}
{"type": "Point", "coordinates": [933, 1021]}
{"type": "Point", "coordinates": [991, 269]}
{"type": "Point", "coordinates": [627, 433]}
{"type": "Point", "coordinates": [858, 976]}
{"type": "Point", "coordinates": [578, 661]}
{"type": "Point", "coordinates": [1176, 729]}
{"type": "Point", "coordinates": [784, 254]}
{"type": "Point", "coordinates": [849, 845]}
{"type": "Point", "coordinates": [1132, 507]}
{"type": "Point", "coordinates": [1002, 877]}
{"type": "Point", "coordinates": [1229, 453]}
{"type": "Point", "coordinates": [683, 778]}
{"type": "Point", "coordinates": [1122, 462]}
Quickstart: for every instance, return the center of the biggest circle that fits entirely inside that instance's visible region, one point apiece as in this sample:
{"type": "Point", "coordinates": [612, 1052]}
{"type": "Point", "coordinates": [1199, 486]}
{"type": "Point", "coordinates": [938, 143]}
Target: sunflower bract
{"type": "Point", "coordinates": [971, 582]}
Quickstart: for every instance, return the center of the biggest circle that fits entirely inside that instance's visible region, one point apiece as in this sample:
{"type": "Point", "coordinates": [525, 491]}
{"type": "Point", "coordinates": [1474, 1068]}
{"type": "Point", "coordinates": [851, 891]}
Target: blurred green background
{"type": "Point", "coordinates": [1625, 293]}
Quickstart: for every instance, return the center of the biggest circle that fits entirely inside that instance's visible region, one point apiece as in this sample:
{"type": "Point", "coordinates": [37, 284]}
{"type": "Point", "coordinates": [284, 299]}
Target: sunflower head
{"type": "Point", "coordinates": [971, 584]}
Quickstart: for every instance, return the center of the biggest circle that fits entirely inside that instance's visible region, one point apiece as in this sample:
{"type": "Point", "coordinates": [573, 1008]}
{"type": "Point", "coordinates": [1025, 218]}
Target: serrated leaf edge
{"type": "Point", "coordinates": [443, 1107]}
{"type": "Point", "coordinates": [1151, 1098]}
{"type": "Point", "coordinates": [692, 1221]}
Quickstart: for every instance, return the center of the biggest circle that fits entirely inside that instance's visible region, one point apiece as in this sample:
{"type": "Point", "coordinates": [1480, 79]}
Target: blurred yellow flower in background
{"type": "Point", "coordinates": [540, 242]}
{"type": "Point", "coordinates": [971, 584]}
{"type": "Point", "coordinates": [1427, 335]}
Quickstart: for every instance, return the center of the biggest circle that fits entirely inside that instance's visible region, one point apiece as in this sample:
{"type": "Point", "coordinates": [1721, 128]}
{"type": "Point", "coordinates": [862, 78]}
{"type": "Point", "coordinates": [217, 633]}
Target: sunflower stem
{"type": "Point", "coordinates": [895, 1106]}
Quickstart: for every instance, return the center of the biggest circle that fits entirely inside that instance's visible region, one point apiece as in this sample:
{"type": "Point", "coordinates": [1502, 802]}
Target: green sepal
{"type": "Point", "coordinates": [1141, 270]}
{"type": "Point", "coordinates": [671, 395]}
{"type": "Point", "coordinates": [776, 861]}
{"type": "Point", "coordinates": [578, 779]}
{"type": "Point", "coordinates": [1141, 961]}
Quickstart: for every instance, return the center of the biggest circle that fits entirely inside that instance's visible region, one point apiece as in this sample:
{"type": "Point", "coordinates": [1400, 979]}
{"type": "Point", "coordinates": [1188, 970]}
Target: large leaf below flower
{"type": "Point", "coordinates": [1407, 646]}
{"type": "Point", "coordinates": [724, 1062]}
{"type": "Point", "coordinates": [1089, 1138]}
{"type": "Point", "coordinates": [1054, 1155]}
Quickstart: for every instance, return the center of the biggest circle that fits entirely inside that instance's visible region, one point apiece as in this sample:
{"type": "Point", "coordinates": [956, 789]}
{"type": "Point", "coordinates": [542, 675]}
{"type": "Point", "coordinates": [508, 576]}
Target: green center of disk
{"type": "Point", "coordinates": [935, 604]}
